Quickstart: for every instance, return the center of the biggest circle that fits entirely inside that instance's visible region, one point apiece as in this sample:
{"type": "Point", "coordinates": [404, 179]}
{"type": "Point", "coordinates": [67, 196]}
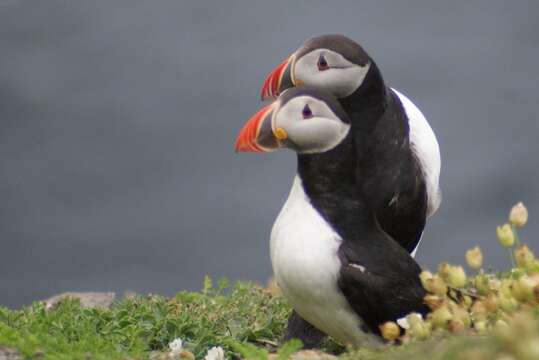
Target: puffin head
{"type": "Point", "coordinates": [333, 63]}
{"type": "Point", "coordinates": [303, 119]}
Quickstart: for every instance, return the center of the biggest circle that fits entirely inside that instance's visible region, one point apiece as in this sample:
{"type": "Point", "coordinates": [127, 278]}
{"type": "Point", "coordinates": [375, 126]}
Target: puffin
{"type": "Point", "coordinates": [395, 143]}
{"type": "Point", "coordinates": [340, 271]}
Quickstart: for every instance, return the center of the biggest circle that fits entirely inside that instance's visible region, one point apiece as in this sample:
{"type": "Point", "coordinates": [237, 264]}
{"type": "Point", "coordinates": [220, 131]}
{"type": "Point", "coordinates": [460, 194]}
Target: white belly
{"type": "Point", "coordinates": [306, 266]}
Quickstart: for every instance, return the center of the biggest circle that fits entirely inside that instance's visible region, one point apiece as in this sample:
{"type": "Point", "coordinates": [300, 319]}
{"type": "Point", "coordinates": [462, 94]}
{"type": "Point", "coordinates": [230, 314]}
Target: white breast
{"type": "Point", "coordinates": [306, 266]}
{"type": "Point", "coordinates": [426, 149]}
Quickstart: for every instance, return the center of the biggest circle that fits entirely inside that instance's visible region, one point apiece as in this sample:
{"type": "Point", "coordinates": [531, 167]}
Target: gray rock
{"type": "Point", "coordinates": [312, 355]}
{"type": "Point", "coordinates": [9, 354]}
{"type": "Point", "coordinates": [87, 299]}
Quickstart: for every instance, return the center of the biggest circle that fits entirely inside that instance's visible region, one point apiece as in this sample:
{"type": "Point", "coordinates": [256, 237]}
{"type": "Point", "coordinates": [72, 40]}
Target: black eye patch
{"type": "Point", "coordinates": [322, 63]}
{"type": "Point", "coordinates": [306, 112]}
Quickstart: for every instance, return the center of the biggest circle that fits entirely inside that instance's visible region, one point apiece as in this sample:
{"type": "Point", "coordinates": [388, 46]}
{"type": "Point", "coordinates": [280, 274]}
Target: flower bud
{"type": "Point", "coordinates": [522, 288]}
{"type": "Point", "coordinates": [466, 302]}
{"type": "Point", "coordinates": [390, 331]}
{"type": "Point", "coordinates": [480, 326]}
{"type": "Point", "coordinates": [482, 284]}
{"type": "Point", "coordinates": [479, 310]}
{"type": "Point", "coordinates": [440, 317]}
{"type": "Point", "coordinates": [453, 276]}
{"type": "Point", "coordinates": [491, 303]}
{"type": "Point", "coordinates": [433, 301]}
{"type": "Point", "coordinates": [456, 277]}
{"type": "Point", "coordinates": [456, 326]}
{"type": "Point", "coordinates": [461, 315]}
{"type": "Point", "coordinates": [438, 286]}
{"type": "Point", "coordinates": [474, 258]}
{"type": "Point", "coordinates": [443, 269]}
{"type": "Point", "coordinates": [424, 277]}
{"type": "Point", "coordinates": [420, 330]}
{"type": "Point", "coordinates": [433, 284]}
{"type": "Point", "coordinates": [518, 216]}
{"type": "Point", "coordinates": [505, 235]}
{"type": "Point", "coordinates": [414, 318]}
{"type": "Point", "coordinates": [524, 256]}
{"type": "Point", "coordinates": [494, 284]}
{"type": "Point", "coordinates": [505, 288]}
{"type": "Point", "coordinates": [507, 303]}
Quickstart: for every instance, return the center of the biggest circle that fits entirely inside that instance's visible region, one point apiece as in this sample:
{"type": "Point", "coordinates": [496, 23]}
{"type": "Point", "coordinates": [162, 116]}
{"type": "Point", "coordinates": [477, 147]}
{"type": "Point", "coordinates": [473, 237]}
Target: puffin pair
{"type": "Point", "coordinates": [368, 170]}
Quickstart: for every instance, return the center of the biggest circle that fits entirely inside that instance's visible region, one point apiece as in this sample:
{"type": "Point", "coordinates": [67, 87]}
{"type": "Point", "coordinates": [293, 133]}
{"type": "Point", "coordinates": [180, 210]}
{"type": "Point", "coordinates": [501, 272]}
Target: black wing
{"type": "Point", "coordinates": [380, 280]}
{"type": "Point", "coordinates": [390, 176]}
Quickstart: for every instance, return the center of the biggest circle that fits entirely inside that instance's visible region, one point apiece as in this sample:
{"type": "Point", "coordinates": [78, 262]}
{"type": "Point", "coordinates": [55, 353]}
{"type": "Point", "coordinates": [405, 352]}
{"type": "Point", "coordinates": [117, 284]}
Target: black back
{"type": "Point", "coordinates": [389, 288]}
{"type": "Point", "coordinates": [390, 175]}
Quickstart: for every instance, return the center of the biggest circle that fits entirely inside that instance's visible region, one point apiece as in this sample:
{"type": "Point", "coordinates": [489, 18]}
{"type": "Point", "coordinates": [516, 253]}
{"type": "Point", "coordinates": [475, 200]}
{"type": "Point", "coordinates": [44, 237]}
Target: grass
{"type": "Point", "coordinates": [247, 321]}
{"type": "Point", "coordinates": [136, 326]}
{"type": "Point", "coordinates": [486, 316]}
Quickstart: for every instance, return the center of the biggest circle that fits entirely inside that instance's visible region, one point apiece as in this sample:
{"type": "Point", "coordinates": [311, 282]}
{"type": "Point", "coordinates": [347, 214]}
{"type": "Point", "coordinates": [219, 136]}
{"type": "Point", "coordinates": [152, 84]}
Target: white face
{"type": "Point", "coordinates": [327, 70]}
{"type": "Point", "coordinates": [311, 126]}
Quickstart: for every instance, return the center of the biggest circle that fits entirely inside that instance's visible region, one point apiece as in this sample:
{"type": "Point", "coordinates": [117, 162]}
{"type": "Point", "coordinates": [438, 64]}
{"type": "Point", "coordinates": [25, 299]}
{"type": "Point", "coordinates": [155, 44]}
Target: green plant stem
{"type": "Point", "coordinates": [512, 257]}
{"type": "Point", "coordinates": [515, 233]}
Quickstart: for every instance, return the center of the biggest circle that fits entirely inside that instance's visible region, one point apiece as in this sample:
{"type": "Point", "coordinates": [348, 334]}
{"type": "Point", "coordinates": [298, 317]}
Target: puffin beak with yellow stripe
{"type": "Point", "coordinates": [279, 78]}
{"type": "Point", "coordinates": [304, 123]}
{"type": "Point", "coordinates": [331, 63]}
{"type": "Point", "coordinates": [258, 134]}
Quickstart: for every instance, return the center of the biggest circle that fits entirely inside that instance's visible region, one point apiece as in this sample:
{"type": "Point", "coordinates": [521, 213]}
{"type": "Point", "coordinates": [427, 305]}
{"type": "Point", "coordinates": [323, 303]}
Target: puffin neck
{"type": "Point", "coordinates": [371, 108]}
{"type": "Point", "coordinates": [329, 181]}
{"type": "Point", "coordinates": [369, 101]}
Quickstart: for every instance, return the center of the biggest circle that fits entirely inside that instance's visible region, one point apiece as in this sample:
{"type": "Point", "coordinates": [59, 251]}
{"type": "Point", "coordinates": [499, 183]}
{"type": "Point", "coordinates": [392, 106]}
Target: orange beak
{"type": "Point", "coordinates": [279, 79]}
{"type": "Point", "coordinates": [257, 135]}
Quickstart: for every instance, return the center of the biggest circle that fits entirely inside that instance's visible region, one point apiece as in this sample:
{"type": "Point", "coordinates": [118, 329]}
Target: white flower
{"type": "Point", "coordinates": [474, 258]}
{"type": "Point", "coordinates": [176, 347]}
{"type": "Point", "coordinates": [505, 235]}
{"type": "Point", "coordinates": [518, 215]}
{"type": "Point", "coordinates": [215, 353]}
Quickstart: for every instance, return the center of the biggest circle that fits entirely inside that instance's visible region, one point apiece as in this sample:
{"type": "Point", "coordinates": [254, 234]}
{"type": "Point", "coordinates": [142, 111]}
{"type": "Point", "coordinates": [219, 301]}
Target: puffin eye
{"type": "Point", "coordinates": [322, 63]}
{"type": "Point", "coordinates": [307, 113]}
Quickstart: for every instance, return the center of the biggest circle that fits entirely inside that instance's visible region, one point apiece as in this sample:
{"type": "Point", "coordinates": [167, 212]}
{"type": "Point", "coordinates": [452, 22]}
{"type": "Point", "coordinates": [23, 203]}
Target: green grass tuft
{"type": "Point", "coordinates": [137, 326]}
